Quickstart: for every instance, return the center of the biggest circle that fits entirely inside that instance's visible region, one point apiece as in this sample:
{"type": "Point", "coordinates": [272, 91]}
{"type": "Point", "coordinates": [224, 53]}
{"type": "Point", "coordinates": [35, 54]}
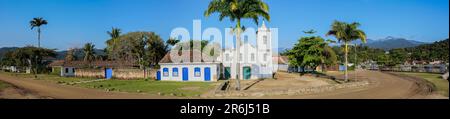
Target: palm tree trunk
{"type": "Point", "coordinates": [238, 47]}
{"type": "Point", "coordinates": [39, 37]}
{"type": "Point", "coordinates": [39, 46]}
{"type": "Point", "coordinates": [346, 62]}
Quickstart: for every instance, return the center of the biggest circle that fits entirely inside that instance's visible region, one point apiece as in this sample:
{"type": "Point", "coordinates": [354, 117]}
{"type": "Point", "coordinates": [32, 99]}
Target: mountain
{"type": "Point", "coordinates": [6, 49]}
{"type": "Point", "coordinates": [60, 55]}
{"type": "Point", "coordinates": [391, 43]}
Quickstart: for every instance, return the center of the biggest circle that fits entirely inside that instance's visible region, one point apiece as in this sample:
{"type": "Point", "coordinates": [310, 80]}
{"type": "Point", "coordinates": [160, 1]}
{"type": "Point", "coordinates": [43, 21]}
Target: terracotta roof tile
{"type": "Point", "coordinates": [82, 64]}
{"type": "Point", "coordinates": [168, 59]}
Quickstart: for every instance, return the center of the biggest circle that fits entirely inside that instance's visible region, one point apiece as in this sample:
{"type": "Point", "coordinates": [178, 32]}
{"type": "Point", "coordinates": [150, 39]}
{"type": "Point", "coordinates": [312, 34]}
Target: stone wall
{"type": "Point", "coordinates": [129, 73]}
{"type": "Point", "coordinates": [91, 73]}
{"type": "Point", "coordinates": [118, 73]}
{"type": "Point", "coordinates": [291, 91]}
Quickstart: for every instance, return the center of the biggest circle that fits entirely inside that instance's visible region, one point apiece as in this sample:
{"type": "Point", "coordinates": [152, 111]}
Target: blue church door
{"type": "Point", "coordinates": [185, 74]}
{"type": "Point", "coordinates": [108, 73]}
{"type": "Point", "coordinates": [158, 75]}
{"type": "Point", "coordinates": [207, 74]}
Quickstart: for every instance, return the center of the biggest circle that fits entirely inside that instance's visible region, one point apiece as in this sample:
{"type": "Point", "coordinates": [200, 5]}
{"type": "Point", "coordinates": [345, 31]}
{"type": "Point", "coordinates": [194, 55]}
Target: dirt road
{"type": "Point", "coordinates": [52, 90]}
{"type": "Point", "coordinates": [385, 86]}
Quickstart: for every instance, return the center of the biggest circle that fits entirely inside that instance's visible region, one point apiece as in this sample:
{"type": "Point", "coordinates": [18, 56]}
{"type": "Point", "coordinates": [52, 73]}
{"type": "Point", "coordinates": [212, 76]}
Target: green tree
{"type": "Point", "coordinates": [237, 10]}
{"type": "Point", "coordinates": [398, 56]}
{"type": "Point", "coordinates": [437, 51]}
{"type": "Point", "coordinates": [143, 48]}
{"type": "Point", "coordinates": [346, 33]}
{"type": "Point", "coordinates": [156, 49]}
{"type": "Point", "coordinates": [312, 52]}
{"type": "Point", "coordinates": [8, 59]}
{"type": "Point", "coordinates": [329, 57]}
{"type": "Point", "coordinates": [385, 60]}
{"type": "Point", "coordinates": [32, 57]}
{"type": "Point", "coordinates": [70, 55]}
{"type": "Point", "coordinates": [89, 52]}
{"type": "Point", "coordinates": [172, 41]}
{"type": "Point", "coordinates": [37, 23]}
{"type": "Point", "coordinates": [139, 51]}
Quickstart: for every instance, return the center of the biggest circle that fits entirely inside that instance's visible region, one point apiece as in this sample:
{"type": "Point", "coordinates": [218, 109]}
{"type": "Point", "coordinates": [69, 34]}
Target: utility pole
{"type": "Point", "coordinates": [356, 59]}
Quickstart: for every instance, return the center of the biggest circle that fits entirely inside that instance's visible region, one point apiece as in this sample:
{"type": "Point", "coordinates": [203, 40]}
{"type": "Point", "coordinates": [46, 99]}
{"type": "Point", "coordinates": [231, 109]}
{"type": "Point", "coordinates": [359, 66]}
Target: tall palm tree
{"type": "Point", "coordinates": [236, 10]}
{"type": "Point", "coordinates": [70, 55]}
{"type": "Point", "coordinates": [89, 53]}
{"type": "Point", "coordinates": [38, 22]}
{"type": "Point", "coordinates": [346, 33]}
{"type": "Point", "coordinates": [113, 42]}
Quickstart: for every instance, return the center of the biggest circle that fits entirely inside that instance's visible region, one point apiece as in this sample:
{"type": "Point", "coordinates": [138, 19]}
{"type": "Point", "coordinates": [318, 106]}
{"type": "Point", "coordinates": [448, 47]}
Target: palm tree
{"type": "Point", "coordinates": [347, 32]}
{"type": "Point", "coordinates": [113, 42]}
{"type": "Point", "coordinates": [70, 55]}
{"type": "Point", "coordinates": [172, 41]}
{"type": "Point", "coordinates": [38, 22]}
{"type": "Point", "coordinates": [236, 10]}
{"type": "Point", "coordinates": [89, 53]}
{"type": "Point", "coordinates": [312, 31]}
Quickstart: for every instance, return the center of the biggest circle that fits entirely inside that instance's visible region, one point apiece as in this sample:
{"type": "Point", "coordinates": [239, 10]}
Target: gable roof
{"type": "Point", "coordinates": [168, 59]}
{"type": "Point", "coordinates": [84, 64]}
{"type": "Point", "coordinates": [281, 59]}
{"type": "Point", "coordinates": [56, 63]}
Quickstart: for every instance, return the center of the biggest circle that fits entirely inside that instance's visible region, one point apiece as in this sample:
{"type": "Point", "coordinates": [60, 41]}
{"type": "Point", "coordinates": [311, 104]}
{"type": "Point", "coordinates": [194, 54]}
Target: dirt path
{"type": "Point", "coordinates": [385, 86]}
{"type": "Point", "coordinates": [52, 90]}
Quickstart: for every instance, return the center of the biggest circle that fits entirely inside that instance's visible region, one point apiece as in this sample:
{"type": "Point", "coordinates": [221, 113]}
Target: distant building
{"type": "Point", "coordinates": [283, 63]}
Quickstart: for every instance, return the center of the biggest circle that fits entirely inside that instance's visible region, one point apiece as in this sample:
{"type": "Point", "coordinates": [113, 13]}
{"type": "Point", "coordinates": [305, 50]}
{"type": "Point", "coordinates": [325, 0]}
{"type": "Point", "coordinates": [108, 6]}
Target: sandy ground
{"type": "Point", "coordinates": [385, 86]}
{"type": "Point", "coordinates": [19, 93]}
{"type": "Point", "coordinates": [52, 90]}
{"type": "Point", "coordinates": [289, 80]}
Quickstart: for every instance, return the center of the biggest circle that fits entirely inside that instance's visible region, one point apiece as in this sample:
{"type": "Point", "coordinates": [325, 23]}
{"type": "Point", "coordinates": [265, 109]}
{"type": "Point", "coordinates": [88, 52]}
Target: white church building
{"type": "Point", "coordinates": [256, 62]}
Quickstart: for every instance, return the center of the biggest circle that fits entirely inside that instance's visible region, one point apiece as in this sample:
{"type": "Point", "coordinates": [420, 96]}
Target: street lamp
{"type": "Point", "coordinates": [356, 58]}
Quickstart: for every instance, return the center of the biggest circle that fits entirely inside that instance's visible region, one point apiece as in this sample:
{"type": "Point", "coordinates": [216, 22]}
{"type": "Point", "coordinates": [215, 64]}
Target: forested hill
{"type": "Point", "coordinates": [436, 51]}
{"type": "Point", "coordinates": [389, 43]}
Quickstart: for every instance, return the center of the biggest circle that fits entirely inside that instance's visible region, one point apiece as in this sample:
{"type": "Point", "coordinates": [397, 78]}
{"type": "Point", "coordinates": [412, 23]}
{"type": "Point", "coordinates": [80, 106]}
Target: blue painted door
{"type": "Point", "coordinates": [207, 74]}
{"type": "Point", "coordinates": [158, 75]}
{"type": "Point", "coordinates": [108, 73]}
{"type": "Point", "coordinates": [227, 73]}
{"type": "Point", "coordinates": [247, 73]}
{"type": "Point", "coordinates": [185, 74]}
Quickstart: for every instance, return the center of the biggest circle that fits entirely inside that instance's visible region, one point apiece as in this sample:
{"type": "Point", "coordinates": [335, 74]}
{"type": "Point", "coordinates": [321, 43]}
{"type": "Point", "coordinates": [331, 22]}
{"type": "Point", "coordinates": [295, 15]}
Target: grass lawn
{"type": "Point", "coordinates": [133, 86]}
{"type": "Point", "coordinates": [48, 77]}
{"type": "Point", "coordinates": [153, 87]}
{"type": "Point", "coordinates": [440, 85]}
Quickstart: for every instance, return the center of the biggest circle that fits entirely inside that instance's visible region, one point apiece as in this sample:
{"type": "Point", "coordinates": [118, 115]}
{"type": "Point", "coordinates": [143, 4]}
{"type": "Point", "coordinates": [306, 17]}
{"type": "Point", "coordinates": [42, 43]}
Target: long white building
{"type": "Point", "coordinates": [255, 60]}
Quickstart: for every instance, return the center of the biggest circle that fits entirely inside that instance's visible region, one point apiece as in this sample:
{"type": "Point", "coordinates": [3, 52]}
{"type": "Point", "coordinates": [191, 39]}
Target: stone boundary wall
{"type": "Point", "coordinates": [118, 73]}
{"type": "Point", "coordinates": [291, 91]}
{"type": "Point", "coordinates": [91, 73]}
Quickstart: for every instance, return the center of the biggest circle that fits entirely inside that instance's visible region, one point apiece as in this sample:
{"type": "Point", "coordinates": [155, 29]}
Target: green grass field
{"type": "Point", "coordinates": [133, 86]}
{"type": "Point", "coordinates": [48, 77]}
{"type": "Point", "coordinates": [440, 85]}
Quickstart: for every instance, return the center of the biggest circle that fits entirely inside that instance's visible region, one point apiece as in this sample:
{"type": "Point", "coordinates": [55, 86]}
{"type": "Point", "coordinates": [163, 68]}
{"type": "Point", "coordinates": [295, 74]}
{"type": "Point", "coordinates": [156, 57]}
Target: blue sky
{"type": "Point", "coordinates": [75, 22]}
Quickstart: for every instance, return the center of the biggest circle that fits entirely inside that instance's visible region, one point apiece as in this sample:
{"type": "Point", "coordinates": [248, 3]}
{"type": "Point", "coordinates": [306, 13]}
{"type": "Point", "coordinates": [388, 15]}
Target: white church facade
{"type": "Point", "coordinates": [256, 62]}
